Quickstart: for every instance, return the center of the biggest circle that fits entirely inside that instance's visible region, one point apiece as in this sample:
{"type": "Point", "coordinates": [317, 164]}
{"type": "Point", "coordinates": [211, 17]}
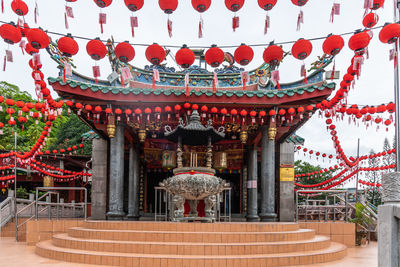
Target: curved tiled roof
{"type": "Point", "coordinates": [194, 92]}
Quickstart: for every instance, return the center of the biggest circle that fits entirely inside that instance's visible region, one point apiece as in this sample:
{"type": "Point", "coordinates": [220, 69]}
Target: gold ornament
{"type": "Point", "coordinates": [243, 136]}
{"type": "Point", "coordinates": [48, 181]}
{"type": "Point", "coordinates": [142, 135]}
{"type": "Point", "coordinates": [111, 130]}
{"type": "Point", "coordinates": [272, 133]}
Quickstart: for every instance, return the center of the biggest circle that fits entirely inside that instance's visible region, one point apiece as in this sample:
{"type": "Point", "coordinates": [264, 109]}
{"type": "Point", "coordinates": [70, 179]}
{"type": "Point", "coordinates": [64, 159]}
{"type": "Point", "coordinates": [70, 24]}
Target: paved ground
{"type": "Point", "coordinates": [14, 254]}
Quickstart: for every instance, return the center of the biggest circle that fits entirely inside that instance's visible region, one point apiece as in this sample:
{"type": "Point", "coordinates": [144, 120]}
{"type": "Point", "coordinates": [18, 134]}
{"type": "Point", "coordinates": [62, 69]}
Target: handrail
{"type": "Point", "coordinates": [49, 192]}
{"type": "Point", "coordinates": [7, 201]}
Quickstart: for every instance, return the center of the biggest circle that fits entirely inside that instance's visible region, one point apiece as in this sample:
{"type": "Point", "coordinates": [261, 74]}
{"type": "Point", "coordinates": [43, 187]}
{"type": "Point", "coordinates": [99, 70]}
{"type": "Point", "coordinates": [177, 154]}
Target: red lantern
{"type": "Point", "coordinates": [389, 33]}
{"type": "Point", "coordinates": [377, 4]}
{"type": "Point", "coordinates": [155, 54]}
{"type": "Point", "coordinates": [118, 111]}
{"type": "Point", "coordinates": [147, 110]}
{"type": "Point", "coordinates": [30, 50]}
{"type": "Point", "coordinates": [388, 122]}
{"type": "Point", "coordinates": [19, 7]}
{"type": "Point", "coordinates": [359, 41]}
{"type": "Point", "coordinates": [157, 110]}
{"type": "Point", "coordinates": [273, 54]}
{"type": "Point", "coordinates": [302, 48]}
{"type": "Point", "coordinates": [234, 5]}
{"type": "Point", "coordinates": [177, 108]}
{"type": "Point", "coordinates": [38, 38]}
{"type": "Point", "coordinates": [370, 20]}
{"type": "Point", "coordinates": [214, 56]}
{"type": "Point", "coordinates": [168, 6]}
{"type": "Point", "coordinates": [267, 4]}
{"type": "Point", "coordinates": [348, 78]}
{"type": "Point", "coordinates": [20, 104]}
{"type": "Point", "coordinates": [96, 49]}
{"type": "Point", "coordinates": [243, 54]}
{"type": "Point", "coordinates": [204, 108]}
{"type": "Point", "coordinates": [128, 111]}
{"type": "Point", "coordinates": [299, 2]}
{"type": "Point", "coordinates": [282, 112]}
{"type": "Point", "coordinates": [10, 102]}
{"type": "Point", "coordinates": [103, 3]}
{"type": "Point", "coordinates": [97, 109]}
{"type": "Point", "coordinates": [10, 33]}
{"type": "Point", "coordinates": [167, 109]}
{"type": "Point", "coordinates": [184, 57]}
{"type": "Point", "coordinates": [272, 112]}
{"type": "Point", "coordinates": [124, 52]}
{"type": "Point", "coordinates": [134, 5]}
{"type": "Point", "coordinates": [201, 5]}
{"type": "Point", "coordinates": [186, 105]}
{"type": "Point", "coordinates": [88, 107]}
{"type": "Point", "coordinates": [333, 44]}
{"type": "Point", "coordinates": [68, 46]}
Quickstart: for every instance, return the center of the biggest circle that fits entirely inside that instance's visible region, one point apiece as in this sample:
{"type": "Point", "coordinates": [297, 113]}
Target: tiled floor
{"type": "Point", "coordinates": [20, 255]}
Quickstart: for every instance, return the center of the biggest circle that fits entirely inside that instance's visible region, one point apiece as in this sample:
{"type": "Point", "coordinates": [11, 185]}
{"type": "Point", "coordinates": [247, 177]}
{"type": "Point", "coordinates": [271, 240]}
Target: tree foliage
{"type": "Point", "coordinates": [66, 131]}
{"type": "Point", "coordinates": [303, 167]}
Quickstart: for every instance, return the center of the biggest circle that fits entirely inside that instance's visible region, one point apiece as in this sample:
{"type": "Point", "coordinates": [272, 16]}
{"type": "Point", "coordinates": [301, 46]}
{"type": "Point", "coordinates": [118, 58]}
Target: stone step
{"type": "Point", "coordinates": [193, 237]}
{"type": "Point", "coordinates": [187, 248]}
{"type": "Point", "coordinates": [193, 227]}
{"type": "Point", "coordinates": [47, 249]}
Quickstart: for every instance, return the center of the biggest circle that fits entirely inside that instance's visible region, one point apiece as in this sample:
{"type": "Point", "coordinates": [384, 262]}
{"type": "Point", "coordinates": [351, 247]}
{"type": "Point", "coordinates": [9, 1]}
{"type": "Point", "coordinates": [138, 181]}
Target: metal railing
{"type": "Point", "coordinates": [327, 204]}
{"type": "Point", "coordinates": [50, 191]}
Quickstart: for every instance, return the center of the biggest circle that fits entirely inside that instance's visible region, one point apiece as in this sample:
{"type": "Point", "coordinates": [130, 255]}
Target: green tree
{"type": "Point", "coordinates": [303, 167]}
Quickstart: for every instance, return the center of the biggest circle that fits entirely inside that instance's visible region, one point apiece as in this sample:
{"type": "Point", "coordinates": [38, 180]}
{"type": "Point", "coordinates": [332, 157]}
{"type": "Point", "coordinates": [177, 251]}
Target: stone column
{"type": "Point", "coordinates": [116, 188]}
{"type": "Point", "coordinates": [133, 197]}
{"type": "Point", "coordinates": [286, 184]}
{"type": "Point", "coordinates": [388, 221]}
{"type": "Point", "coordinates": [268, 174]}
{"type": "Point", "coordinates": [99, 179]}
{"type": "Point", "coordinates": [252, 209]}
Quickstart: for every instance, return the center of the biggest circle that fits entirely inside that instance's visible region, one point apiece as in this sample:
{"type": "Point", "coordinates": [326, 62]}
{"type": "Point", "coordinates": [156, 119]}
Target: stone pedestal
{"type": "Point", "coordinates": [116, 192]}
{"type": "Point", "coordinates": [388, 221]}
{"type": "Point", "coordinates": [268, 175]}
{"type": "Point", "coordinates": [99, 179]}
{"type": "Point", "coordinates": [133, 197]}
{"type": "Point", "coordinates": [252, 211]}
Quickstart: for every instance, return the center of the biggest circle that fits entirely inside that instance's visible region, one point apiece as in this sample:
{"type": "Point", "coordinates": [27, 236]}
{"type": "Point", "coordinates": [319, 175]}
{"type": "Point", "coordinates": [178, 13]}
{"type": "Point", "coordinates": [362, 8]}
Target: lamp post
{"type": "Point", "coordinates": [396, 90]}
{"type": "Point", "coordinates": [15, 184]}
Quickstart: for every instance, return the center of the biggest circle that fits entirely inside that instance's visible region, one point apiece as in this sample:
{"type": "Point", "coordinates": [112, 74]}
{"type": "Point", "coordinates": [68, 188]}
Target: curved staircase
{"type": "Point", "coordinates": [162, 244]}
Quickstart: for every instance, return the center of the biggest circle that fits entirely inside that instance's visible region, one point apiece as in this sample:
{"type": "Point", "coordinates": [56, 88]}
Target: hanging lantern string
{"type": "Point", "coordinates": [205, 47]}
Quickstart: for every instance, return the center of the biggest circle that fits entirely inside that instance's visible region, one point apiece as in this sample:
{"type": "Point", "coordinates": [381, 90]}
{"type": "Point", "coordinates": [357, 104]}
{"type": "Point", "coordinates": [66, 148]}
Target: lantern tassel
{"type": "Point", "coordinates": [134, 24]}
{"type": "Point", "coordinates": [235, 23]}
{"type": "Point", "coordinates": [66, 21]}
{"type": "Point", "coordinates": [200, 28]}
{"type": "Point", "coordinates": [4, 63]}
{"type": "Point", "coordinates": [187, 84]}
{"type": "Point", "coordinates": [215, 82]}
{"type": "Point", "coordinates": [122, 80]}
{"type": "Point", "coordinates": [36, 12]}
{"type": "Point", "coordinates": [2, 6]}
{"type": "Point", "coordinates": [169, 26]}
{"type": "Point", "coordinates": [300, 20]}
{"type": "Point", "coordinates": [102, 20]}
{"type": "Point", "coordinates": [267, 24]}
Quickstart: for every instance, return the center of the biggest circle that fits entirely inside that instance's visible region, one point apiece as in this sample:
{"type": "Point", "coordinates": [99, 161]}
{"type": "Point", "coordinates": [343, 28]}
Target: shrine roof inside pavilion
{"type": "Point", "coordinates": [144, 98]}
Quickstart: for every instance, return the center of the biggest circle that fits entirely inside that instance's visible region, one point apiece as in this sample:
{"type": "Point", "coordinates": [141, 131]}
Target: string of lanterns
{"type": "Point", "coordinates": [169, 6]}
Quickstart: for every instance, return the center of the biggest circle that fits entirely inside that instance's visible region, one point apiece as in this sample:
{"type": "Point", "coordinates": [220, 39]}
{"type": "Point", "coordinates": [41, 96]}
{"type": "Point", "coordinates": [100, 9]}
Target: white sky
{"type": "Point", "coordinates": [374, 87]}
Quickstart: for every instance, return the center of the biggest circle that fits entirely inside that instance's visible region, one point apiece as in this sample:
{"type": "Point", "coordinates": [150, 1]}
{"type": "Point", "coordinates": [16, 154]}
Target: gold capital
{"type": "Point", "coordinates": [111, 130]}
{"type": "Point", "coordinates": [271, 133]}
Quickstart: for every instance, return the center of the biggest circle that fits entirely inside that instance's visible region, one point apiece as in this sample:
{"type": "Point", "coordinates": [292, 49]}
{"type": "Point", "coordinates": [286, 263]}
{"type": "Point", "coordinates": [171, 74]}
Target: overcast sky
{"type": "Point", "coordinates": [374, 87]}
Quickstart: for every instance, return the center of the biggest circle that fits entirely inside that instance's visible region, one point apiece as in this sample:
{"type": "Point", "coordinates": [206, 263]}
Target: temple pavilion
{"type": "Point", "coordinates": [132, 155]}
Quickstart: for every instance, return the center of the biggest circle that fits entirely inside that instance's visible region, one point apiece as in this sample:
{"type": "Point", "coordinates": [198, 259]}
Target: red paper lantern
{"type": "Point", "coordinates": [186, 105]}
{"type": "Point", "coordinates": [155, 54]}
{"type": "Point", "coordinates": [108, 110]}
{"type": "Point", "coordinates": [204, 108]}
{"type": "Point", "coordinates": [78, 105]}
{"type": "Point", "coordinates": [333, 44]}
{"type": "Point", "coordinates": [103, 3]}
{"type": "Point", "coordinates": [19, 7]}
{"type": "Point", "coordinates": [214, 110]}
{"type": "Point", "coordinates": [118, 111]}
{"type": "Point", "coordinates": [224, 111]}
{"type": "Point", "coordinates": [10, 102]}
{"type": "Point", "coordinates": [253, 113]}
{"type": "Point", "coordinates": [262, 113]}
{"type": "Point", "coordinates": [234, 5]}
{"type": "Point", "coordinates": [388, 122]}
{"type": "Point", "coordinates": [68, 46]}
{"type": "Point", "coordinates": [134, 5]}
{"type": "Point", "coordinates": [302, 48]}
{"type": "Point", "coordinates": [88, 107]}
{"type": "Point", "coordinates": [167, 109]}
{"type": "Point", "coordinates": [38, 38]}
{"type": "Point", "coordinates": [184, 57]}
{"type": "Point", "coordinates": [282, 112]}
{"type": "Point", "coordinates": [124, 52]}
{"type": "Point", "coordinates": [168, 6]}
{"type": "Point", "coordinates": [359, 41]}
{"type": "Point", "coordinates": [389, 33]}
{"type": "Point", "coordinates": [273, 55]}
{"type": "Point", "coordinates": [267, 4]}
{"type": "Point", "coordinates": [128, 111]}
{"type": "Point", "coordinates": [300, 109]}
{"type": "Point", "coordinates": [10, 33]}
{"type": "Point", "coordinates": [12, 122]}
{"type": "Point", "coordinates": [348, 78]}
{"type": "Point", "coordinates": [370, 20]}
{"type": "Point", "coordinates": [201, 5]}
{"type": "Point", "coordinates": [96, 49]}
{"type": "Point", "coordinates": [299, 2]}
{"type": "Point", "coordinates": [30, 50]}
{"type": "Point", "coordinates": [243, 113]}
{"type": "Point", "coordinates": [309, 108]}
{"type": "Point", "coordinates": [20, 104]}
{"type": "Point", "coordinates": [97, 109]}
{"type": "Point", "coordinates": [214, 56]}
{"type": "Point", "coordinates": [157, 110]}
{"type": "Point", "coordinates": [377, 4]}
{"type": "Point", "coordinates": [272, 112]}
{"type": "Point", "coordinates": [147, 110]}
{"type": "Point", "coordinates": [291, 111]}
{"type": "Point", "coordinates": [177, 107]}
{"type": "Point", "coordinates": [243, 54]}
